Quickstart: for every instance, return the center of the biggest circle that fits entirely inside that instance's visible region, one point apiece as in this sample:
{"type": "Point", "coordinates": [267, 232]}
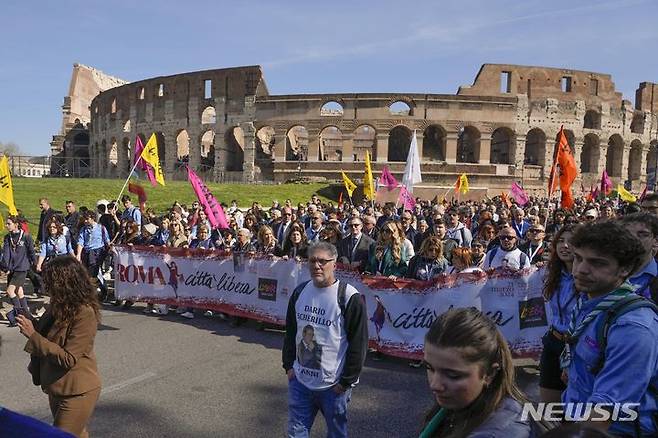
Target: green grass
{"type": "Point", "coordinates": [85, 192]}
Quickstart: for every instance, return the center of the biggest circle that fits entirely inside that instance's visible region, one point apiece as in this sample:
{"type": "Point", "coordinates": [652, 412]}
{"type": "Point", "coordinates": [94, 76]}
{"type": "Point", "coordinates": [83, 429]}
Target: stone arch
{"type": "Point", "coordinates": [635, 161]}
{"type": "Point", "coordinates": [126, 126]}
{"type": "Point", "coordinates": [468, 145]}
{"type": "Point", "coordinates": [589, 156]}
{"type": "Point", "coordinates": [535, 148]}
{"type": "Point", "coordinates": [297, 144]}
{"type": "Point", "coordinates": [182, 148]}
{"type": "Point", "coordinates": [571, 138]}
{"type": "Point", "coordinates": [331, 144]}
{"type": "Point", "coordinates": [365, 140]}
{"type": "Point", "coordinates": [209, 116]}
{"type": "Point", "coordinates": [207, 143]}
{"type": "Point", "coordinates": [401, 108]}
{"type": "Point", "coordinates": [434, 143]}
{"type": "Point", "coordinates": [399, 140]}
{"type": "Point", "coordinates": [592, 120]}
{"type": "Point", "coordinates": [614, 156]}
{"type": "Point", "coordinates": [502, 146]}
{"type": "Point", "coordinates": [265, 141]}
{"type": "Point", "coordinates": [235, 149]}
{"type": "Point", "coordinates": [126, 150]}
{"type": "Point", "coordinates": [332, 108]}
{"type": "Point", "coordinates": [637, 124]}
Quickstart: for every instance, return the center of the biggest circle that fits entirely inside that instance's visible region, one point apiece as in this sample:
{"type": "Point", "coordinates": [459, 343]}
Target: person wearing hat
{"type": "Point", "coordinates": [535, 246]}
{"type": "Point", "coordinates": [591, 215]}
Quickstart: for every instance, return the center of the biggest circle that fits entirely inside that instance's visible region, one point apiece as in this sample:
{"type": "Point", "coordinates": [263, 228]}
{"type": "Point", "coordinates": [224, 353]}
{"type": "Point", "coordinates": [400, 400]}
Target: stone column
{"type": "Point", "coordinates": [519, 150]}
{"type": "Point", "coordinates": [313, 145]}
{"type": "Point", "coordinates": [452, 138]}
{"type": "Point", "coordinates": [626, 151]}
{"type": "Point", "coordinates": [195, 147]}
{"type": "Point", "coordinates": [485, 148]}
{"type": "Point", "coordinates": [643, 165]}
{"type": "Point", "coordinates": [148, 116]}
{"type": "Point", "coordinates": [279, 152]}
{"type": "Point", "coordinates": [348, 147]}
{"type": "Point", "coordinates": [603, 151]}
{"type": "Point", "coordinates": [249, 151]}
{"type": "Point", "coordinates": [577, 151]}
{"type": "Point", "coordinates": [382, 147]}
{"type": "Point", "coordinates": [221, 152]}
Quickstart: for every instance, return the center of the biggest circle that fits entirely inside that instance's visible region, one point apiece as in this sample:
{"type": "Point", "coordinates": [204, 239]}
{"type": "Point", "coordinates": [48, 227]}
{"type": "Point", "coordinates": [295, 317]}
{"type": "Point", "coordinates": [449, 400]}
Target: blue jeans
{"type": "Point", "coordinates": [303, 405]}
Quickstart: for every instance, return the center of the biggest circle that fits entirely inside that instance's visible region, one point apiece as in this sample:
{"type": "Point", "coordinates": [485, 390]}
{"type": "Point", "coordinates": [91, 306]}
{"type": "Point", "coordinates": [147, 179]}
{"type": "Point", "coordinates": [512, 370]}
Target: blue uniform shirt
{"type": "Point", "coordinates": [132, 213]}
{"type": "Point", "coordinates": [60, 245]}
{"type": "Point", "coordinates": [562, 302]}
{"type": "Point", "coordinates": [631, 363]}
{"type": "Point", "coordinates": [642, 280]}
{"type": "Point", "coordinates": [93, 237]}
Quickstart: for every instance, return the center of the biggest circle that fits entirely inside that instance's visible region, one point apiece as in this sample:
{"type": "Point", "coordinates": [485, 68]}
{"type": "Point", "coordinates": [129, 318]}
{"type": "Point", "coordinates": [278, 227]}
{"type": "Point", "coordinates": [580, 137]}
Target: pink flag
{"type": "Point", "coordinates": [213, 209]}
{"type": "Point", "coordinates": [143, 165]}
{"type": "Point", "coordinates": [519, 195]}
{"type": "Point", "coordinates": [407, 199]}
{"type": "Point", "coordinates": [388, 180]}
{"type": "Point", "coordinates": [606, 183]}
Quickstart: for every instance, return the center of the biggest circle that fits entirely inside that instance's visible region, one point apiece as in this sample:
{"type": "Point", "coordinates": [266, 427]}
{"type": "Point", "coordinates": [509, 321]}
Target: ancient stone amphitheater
{"type": "Point", "coordinates": [502, 128]}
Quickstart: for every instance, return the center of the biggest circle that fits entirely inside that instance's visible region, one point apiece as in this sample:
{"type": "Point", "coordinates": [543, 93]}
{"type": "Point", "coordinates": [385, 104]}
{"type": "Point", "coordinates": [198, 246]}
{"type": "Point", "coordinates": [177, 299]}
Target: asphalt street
{"type": "Point", "coordinates": [172, 377]}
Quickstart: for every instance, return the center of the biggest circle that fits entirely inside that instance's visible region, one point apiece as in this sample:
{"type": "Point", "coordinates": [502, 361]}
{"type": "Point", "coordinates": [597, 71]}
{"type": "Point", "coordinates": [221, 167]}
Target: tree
{"type": "Point", "coordinates": [10, 148]}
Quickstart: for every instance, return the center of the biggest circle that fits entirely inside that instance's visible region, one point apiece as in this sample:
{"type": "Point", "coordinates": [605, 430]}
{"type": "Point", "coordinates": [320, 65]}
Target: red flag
{"type": "Point", "coordinates": [458, 184]}
{"type": "Point", "coordinates": [340, 200]}
{"type": "Point", "coordinates": [644, 193]}
{"type": "Point", "coordinates": [141, 194]}
{"type": "Point", "coordinates": [568, 171]}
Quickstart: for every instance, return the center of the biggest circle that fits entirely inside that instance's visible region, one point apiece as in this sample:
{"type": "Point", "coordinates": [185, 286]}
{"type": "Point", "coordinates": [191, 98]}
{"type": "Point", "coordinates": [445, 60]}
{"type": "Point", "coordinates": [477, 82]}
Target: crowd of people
{"type": "Point", "coordinates": [597, 250]}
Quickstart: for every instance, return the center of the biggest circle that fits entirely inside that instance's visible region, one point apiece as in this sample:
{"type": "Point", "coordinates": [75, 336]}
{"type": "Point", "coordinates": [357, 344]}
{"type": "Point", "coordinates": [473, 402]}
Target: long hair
{"type": "Point", "coordinates": [481, 343]}
{"type": "Point", "coordinates": [429, 243]}
{"type": "Point", "coordinates": [555, 266]}
{"type": "Point", "coordinates": [395, 243]}
{"type": "Point", "coordinates": [70, 287]}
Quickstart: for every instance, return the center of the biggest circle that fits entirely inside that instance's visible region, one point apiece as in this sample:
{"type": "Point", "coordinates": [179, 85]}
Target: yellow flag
{"type": "Point", "coordinates": [349, 185]}
{"type": "Point", "coordinates": [6, 187]}
{"type": "Point", "coordinates": [368, 182]}
{"type": "Point", "coordinates": [150, 155]}
{"type": "Point", "coordinates": [2, 223]}
{"type": "Point", "coordinates": [463, 183]}
{"type": "Point", "coordinates": [625, 194]}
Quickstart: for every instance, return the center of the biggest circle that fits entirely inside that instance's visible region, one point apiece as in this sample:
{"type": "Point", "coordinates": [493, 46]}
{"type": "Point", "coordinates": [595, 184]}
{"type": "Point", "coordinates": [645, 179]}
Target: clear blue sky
{"type": "Point", "coordinates": [308, 47]}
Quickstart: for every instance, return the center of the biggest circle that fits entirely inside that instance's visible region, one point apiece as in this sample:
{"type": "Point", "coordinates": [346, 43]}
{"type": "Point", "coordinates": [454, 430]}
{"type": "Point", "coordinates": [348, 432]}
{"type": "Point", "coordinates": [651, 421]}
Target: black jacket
{"type": "Point", "coordinates": [360, 254]}
{"type": "Point", "coordinates": [45, 217]}
{"type": "Point", "coordinates": [19, 258]}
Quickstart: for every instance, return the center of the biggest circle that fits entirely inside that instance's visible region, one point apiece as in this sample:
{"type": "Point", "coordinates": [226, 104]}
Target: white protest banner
{"type": "Point", "coordinates": [399, 311]}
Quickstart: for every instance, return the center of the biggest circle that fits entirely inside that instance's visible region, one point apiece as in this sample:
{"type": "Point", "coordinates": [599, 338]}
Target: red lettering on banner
{"type": "Point", "coordinates": [139, 274]}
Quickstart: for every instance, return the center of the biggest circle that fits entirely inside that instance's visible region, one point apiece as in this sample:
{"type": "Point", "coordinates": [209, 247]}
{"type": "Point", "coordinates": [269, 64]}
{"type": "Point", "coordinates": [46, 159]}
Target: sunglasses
{"type": "Point", "coordinates": [507, 237]}
{"type": "Point", "coordinates": [321, 262]}
{"type": "Point", "coordinates": [536, 230]}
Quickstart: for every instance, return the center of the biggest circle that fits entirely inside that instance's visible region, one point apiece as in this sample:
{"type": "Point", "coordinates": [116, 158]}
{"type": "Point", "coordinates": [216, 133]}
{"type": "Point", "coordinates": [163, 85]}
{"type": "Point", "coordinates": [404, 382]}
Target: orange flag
{"type": "Point", "coordinates": [568, 169]}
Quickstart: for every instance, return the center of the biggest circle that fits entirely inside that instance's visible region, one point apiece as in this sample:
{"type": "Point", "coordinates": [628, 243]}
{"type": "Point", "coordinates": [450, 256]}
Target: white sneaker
{"type": "Point", "coordinates": [188, 315]}
{"type": "Point", "coordinates": [208, 313]}
{"type": "Point", "coordinates": [162, 309]}
{"type": "Point", "coordinates": [181, 310]}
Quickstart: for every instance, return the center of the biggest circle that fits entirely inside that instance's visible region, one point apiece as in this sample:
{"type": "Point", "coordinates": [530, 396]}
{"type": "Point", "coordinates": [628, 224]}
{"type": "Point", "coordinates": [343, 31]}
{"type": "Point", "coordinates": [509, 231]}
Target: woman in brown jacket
{"type": "Point", "coordinates": [63, 362]}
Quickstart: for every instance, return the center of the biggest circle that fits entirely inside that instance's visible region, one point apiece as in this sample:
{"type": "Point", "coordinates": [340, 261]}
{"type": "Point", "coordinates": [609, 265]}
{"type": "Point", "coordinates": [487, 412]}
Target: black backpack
{"type": "Point", "coordinates": [342, 287]}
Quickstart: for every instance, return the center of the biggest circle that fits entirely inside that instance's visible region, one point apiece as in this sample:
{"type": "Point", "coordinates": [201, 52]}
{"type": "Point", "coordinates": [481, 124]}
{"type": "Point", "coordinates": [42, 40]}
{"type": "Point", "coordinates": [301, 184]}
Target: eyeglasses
{"type": "Point", "coordinates": [321, 262]}
{"type": "Point", "coordinates": [507, 237]}
{"type": "Point", "coordinates": [287, 214]}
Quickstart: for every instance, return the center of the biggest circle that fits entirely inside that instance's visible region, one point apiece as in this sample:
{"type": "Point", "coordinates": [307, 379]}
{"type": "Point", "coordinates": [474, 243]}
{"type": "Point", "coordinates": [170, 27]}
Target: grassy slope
{"type": "Point", "coordinates": [27, 192]}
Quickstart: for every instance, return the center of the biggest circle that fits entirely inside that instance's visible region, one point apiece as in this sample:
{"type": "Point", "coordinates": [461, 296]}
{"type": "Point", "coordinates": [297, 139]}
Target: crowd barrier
{"type": "Point", "coordinates": [399, 311]}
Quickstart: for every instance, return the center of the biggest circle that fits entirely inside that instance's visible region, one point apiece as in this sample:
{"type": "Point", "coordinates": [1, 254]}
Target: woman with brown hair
{"type": "Point", "coordinates": [471, 375]}
{"type": "Point", "coordinates": [387, 259]}
{"type": "Point", "coordinates": [63, 362]}
{"type": "Point", "coordinates": [295, 245]}
{"type": "Point", "coordinates": [266, 244]}
{"type": "Point", "coordinates": [429, 263]}
{"type": "Point", "coordinates": [559, 291]}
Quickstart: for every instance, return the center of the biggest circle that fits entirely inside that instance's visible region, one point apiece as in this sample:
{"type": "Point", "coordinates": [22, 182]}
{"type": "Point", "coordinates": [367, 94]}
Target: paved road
{"type": "Point", "coordinates": [171, 377]}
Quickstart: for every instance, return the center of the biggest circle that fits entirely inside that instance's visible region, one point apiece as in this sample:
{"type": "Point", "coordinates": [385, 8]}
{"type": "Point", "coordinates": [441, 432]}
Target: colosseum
{"type": "Point", "coordinates": [502, 128]}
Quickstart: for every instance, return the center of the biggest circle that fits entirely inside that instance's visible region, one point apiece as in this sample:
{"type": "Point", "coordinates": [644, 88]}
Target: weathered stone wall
{"type": "Point", "coordinates": [495, 130]}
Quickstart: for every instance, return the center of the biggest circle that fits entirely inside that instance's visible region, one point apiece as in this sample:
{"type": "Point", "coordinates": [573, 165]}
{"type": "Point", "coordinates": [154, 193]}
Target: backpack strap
{"type": "Point", "coordinates": [463, 235]}
{"type": "Point", "coordinates": [298, 290]}
{"type": "Point", "coordinates": [342, 294]}
{"type": "Point", "coordinates": [627, 304]}
{"type": "Point", "coordinates": [493, 253]}
{"type": "Point", "coordinates": [653, 289]}
{"type": "Point", "coordinates": [523, 259]}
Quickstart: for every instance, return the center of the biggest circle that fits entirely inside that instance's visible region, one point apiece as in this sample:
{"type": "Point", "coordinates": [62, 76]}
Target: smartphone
{"type": "Point", "coordinates": [25, 313]}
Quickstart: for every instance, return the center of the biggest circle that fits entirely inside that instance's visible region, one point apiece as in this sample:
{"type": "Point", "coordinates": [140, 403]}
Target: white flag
{"type": "Point", "coordinates": [412, 169]}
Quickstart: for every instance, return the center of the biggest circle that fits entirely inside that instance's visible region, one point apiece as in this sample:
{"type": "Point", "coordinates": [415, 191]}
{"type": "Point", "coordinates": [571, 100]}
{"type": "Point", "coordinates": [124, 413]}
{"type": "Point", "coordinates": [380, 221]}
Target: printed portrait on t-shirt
{"type": "Point", "coordinates": [309, 352]}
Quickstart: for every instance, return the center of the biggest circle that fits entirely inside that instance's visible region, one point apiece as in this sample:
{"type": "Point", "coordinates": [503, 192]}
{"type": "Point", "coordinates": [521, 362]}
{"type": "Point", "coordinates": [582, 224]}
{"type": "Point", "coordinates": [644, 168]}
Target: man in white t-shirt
{"type": "Point", "coordinates": [325, 346]}
{"type": "Point", "coordinates": [507, 255]}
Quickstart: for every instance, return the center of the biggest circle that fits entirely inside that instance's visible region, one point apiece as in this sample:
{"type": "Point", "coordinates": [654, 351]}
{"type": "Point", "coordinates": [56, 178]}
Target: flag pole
{"type": "Point", "coordinates": [127, 179]}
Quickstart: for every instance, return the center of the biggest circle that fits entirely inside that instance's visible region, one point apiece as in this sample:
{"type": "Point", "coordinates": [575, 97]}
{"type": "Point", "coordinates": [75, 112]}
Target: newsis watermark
{"type": "Point", "coordinates": [580, 411]}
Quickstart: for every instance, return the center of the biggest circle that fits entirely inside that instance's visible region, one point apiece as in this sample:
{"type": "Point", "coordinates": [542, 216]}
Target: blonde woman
{"type": "Point", "coordinates": [178, 237]}
{"type": "Point", "coordinates": [388, 258]}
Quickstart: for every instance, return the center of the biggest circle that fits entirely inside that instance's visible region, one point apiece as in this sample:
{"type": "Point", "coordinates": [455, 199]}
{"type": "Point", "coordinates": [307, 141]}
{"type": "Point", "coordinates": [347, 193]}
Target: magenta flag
{"type": "Point", "coordinates": [213, 209]}
{"type": "Point", "coordinates": [388, 180]}
{"type": "Point", "coordinates": [143, 165]}
{"type": "Point", "coordinates": [519, 195]}
{"type": "Point", "coordinates": [407, 199]}
{"type": "Point", "coordinates": [606, 183]}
